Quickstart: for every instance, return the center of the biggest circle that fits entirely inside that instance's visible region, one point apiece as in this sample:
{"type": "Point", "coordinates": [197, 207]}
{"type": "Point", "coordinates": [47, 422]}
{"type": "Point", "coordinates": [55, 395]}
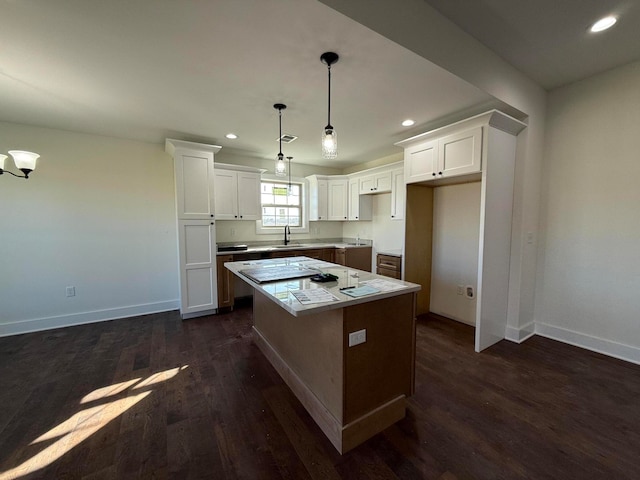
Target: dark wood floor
{"type": "Point", "coordinates": [196, 399]}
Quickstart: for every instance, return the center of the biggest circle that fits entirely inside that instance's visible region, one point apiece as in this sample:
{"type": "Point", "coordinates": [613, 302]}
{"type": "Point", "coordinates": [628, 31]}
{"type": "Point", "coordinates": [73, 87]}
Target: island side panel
{"type": "Point", "coordinates": [310, 345]}
{"type": "Point", "coordinates": [382, 369]}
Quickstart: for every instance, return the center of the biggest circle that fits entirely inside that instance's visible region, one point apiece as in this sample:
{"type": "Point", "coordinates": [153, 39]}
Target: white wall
{"type": "Point", "coordinates": [456, 236]}
{"type": "Point", "coordinates": [590, 268]}
{"type": "Point", "coordinates": [98, 214]}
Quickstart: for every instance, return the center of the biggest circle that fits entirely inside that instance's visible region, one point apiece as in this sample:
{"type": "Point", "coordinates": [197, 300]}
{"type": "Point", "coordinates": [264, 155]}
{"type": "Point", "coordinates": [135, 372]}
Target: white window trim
{"type": "Point", "coordinates": [260, 230]}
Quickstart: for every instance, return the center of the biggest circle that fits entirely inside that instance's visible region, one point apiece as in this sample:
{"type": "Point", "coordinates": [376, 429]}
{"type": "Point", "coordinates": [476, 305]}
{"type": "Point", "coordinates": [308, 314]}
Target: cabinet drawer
{"type": "Point", "coordinates": [389, 272]}
{"type": "Point", "coordinates": [389, 262]}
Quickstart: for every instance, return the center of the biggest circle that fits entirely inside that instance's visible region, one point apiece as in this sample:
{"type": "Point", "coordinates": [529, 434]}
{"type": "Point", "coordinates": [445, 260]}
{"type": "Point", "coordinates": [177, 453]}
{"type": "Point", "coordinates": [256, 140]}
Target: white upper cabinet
{"type": "Point", "coordinates": [338, 199]}
{"type": "Point", "coordinates": [375, 183]}
{"type": "Point", "coordinates": [398, 194]}
{"type": "Point", "coordinates": [420, 162]}
{"type": "Point", "coordinates": [458, 153]}
{"type": "Point", "coordinates": [318, 198]}
{"type": "Point", "coordinates": [194, 184]}
{"type": "Point", "coordinates": [328, 197]}
{"type": "Point", "coordinates": [360, 206]}
{"type": "Point", "coordinates": [237, 194]}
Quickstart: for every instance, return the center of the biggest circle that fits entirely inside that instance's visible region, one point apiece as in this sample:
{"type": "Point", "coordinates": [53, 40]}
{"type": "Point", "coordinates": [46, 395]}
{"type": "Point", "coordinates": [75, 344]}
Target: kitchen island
{"type": "Point", "coordinates": [349, 360]}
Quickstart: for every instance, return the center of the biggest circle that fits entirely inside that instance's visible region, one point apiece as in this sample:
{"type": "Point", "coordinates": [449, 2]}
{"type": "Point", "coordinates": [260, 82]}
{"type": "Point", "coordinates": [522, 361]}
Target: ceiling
{"type": "Point", "coordinates": [197, 70]}
{"type": "Point", "coordinates": [549, 40]}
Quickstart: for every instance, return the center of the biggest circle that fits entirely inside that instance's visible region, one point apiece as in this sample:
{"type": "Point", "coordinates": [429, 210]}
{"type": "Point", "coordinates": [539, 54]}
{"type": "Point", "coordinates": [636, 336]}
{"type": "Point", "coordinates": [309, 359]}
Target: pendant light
{"type": "Point", "coordinates": [329, 136]}
{"type": "Point", "coordinates": [281, 167]}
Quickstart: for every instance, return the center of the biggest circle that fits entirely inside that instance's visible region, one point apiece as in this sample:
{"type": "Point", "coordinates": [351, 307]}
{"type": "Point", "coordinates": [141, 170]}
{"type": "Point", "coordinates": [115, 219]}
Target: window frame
{"type": "Point", "coordinates": [304, 210]}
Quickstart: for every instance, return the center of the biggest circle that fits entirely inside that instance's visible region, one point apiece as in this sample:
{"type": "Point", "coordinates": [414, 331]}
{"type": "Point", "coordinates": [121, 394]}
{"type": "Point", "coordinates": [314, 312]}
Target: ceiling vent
{"type": "Point", "coordinates": [286, 138]}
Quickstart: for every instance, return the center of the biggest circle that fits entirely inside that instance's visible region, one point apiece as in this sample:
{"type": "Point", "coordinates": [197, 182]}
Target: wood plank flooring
{"type": "Point", "coordinates": [154, 397]}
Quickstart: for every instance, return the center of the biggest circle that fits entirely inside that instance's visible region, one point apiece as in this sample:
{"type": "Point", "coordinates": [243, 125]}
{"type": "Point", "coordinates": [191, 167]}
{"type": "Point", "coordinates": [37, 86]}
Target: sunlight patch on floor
{"type": "Point", "coordinates": [85, 423]}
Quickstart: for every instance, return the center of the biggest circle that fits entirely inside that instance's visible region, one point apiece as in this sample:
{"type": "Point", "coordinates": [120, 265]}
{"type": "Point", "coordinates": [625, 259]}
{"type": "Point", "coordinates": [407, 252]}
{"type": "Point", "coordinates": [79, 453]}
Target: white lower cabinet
{"type": "Point", "coordinates": [198, 290]}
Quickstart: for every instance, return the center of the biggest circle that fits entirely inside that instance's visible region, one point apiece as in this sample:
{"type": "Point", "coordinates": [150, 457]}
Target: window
{"type": "Point", "coordinates": [280, 205]}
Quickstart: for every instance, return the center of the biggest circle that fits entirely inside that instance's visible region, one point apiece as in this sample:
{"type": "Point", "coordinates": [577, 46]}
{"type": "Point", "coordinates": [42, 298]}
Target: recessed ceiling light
{"type": "Point", "coordinates": [408, 122]}
{"type": "Point", "coordinates": [231, 136]}
{"type": "Point", "coordinates": [603, 24]}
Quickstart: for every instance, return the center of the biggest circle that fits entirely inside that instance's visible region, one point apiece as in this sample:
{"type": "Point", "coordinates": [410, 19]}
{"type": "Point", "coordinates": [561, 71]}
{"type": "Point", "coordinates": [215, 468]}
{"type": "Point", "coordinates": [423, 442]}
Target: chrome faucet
{"type": "Point", "coordinates": [287, 235]}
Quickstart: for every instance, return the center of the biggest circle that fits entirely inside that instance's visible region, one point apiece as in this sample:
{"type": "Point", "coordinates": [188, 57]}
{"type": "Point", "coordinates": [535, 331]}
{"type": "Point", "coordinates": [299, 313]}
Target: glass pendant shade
{"type": "Point", "coordinates": [2, 159]}
{"type": "Point", "coordinates": [281, 167]}
{"type": "Point", "coordinates": [329, 136]}
{"type": "Point", "coordinates": [24, 160]}
{"type": "Point", "coordinates": [329, 143]}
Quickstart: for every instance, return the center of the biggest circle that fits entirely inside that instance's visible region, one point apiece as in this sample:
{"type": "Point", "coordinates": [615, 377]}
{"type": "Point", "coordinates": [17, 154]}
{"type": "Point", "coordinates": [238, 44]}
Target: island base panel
{"type": "Point", "coordinates": [310, 354]}
{"type": "Point", "coordinates": [343, 438]}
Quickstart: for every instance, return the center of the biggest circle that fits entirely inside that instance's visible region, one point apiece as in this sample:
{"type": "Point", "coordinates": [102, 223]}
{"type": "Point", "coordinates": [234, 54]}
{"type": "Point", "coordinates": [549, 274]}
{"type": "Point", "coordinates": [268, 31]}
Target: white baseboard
{"type": "Point", "coordinates": [519, 335]}
{"type": "Point", "coordinates": [595, 344]}
{"type": "Point", "coordinates": [48, 323]}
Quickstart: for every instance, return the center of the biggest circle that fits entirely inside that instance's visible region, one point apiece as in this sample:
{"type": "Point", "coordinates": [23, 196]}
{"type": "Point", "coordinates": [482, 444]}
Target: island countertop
{"type": "Point", "coordinates": [281, 291]}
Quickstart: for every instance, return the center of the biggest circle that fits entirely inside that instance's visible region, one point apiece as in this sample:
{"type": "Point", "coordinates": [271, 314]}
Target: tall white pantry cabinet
{"type": "Point", "coordinates": [195, 213]}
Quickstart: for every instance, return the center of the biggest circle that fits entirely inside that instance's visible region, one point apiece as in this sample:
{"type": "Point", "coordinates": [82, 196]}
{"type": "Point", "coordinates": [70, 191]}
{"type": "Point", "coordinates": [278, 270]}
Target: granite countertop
{"type": "Point", "coordinates": [252, 247]}
{"type": "Point", "coordinates": [280, 291]}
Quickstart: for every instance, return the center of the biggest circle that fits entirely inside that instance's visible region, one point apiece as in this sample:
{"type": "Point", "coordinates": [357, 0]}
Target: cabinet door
{"type": "Point", "coordinates": [375, 183]}
{"type": "Point", "coordinates": [198, 290]}
{"type": "Point", "coordinates": [226, 194]}
{"type": "Point", "coordinates": [367, 184]}
{"type": "Point", "coordinates": [460, 153]}
{"type": "Point", "coordinates": [225, 282]}
{"type": "Point", "coordinates": [337, 199]}
{"type": "Point", "coordinates": [248, 196]}
{"type": "Point", "coordinates": [360, 206]}
{"type": "Point", "coordinates": [359, 257]}
{"type": "Point", "coordinates": [382, 182]}
{"type": "Point", "coordinates": [322, 193]}
{"type": "Point", "coordinates": [420, 162]}
{"type": "Point", "coordinates": [354, 199]}
{"type": "Point", "coordinates": [398, 193]}
{"type": "Point", "coordinates": [339, 256]}
{"type": "Point", "coordinates": [194, 184]}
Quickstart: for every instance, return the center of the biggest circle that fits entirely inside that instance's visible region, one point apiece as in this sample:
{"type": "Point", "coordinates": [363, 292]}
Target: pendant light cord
{"type": "Point", "coordinates": [280, 124]}
{"type": "Point", "coordinates": [329, 99]}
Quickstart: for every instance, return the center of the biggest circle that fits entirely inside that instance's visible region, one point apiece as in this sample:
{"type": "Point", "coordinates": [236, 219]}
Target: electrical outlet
{"type": "Point", "coordinates": [233, 232]}
{"type": "Point", "coordinates": [356, 338]}
{"type": "Point", "coordinates": [71, 291]}
{"type": "Point", "coordinates": [469, 291]}
{"type": "Point", "coordinates": [460, 290]}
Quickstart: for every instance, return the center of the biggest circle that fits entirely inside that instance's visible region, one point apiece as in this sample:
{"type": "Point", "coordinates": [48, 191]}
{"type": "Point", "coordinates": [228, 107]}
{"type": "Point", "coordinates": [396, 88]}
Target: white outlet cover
{"type": "Point", "coordinates": [356, 338]}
